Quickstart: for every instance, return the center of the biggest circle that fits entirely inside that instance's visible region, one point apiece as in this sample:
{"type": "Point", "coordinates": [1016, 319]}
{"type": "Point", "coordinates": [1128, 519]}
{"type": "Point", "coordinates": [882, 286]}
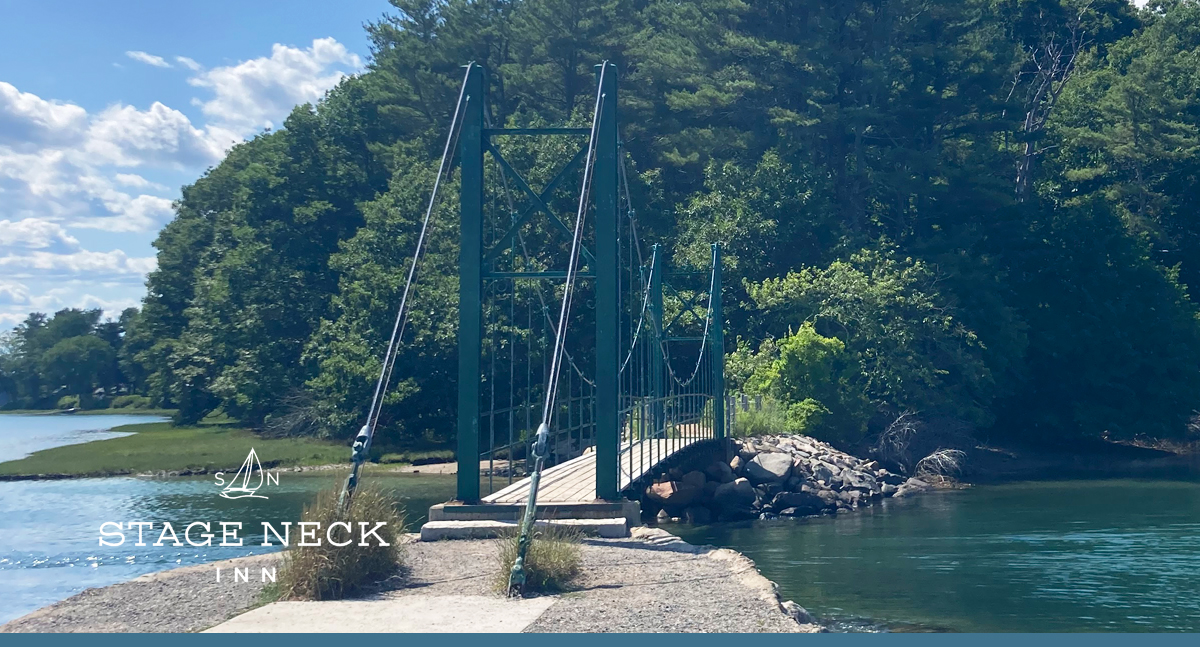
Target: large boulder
{"type": "Point", "coordinates": [829, 497]}
{"type": "Point", "coordinates": [852, 498]}
{"type": "Point", "coordinates": [911, 486]}
{"type": "Point", "coordinates": [800, 503]}
{"type": "Point", "coordinates": [735, 499]}
{"type": "Point", "coordinates": [720, 471]}
{"type": "Point", "coordinates": [822, 471]}
{"type": "Point", "coordinates": [769, 468]}
{"type": "Point", "coordinates": [694, 479]}
{"type": "Point", "coordinates": [672, 494]}
{"type": "Point", "coordinates": [859, 480]}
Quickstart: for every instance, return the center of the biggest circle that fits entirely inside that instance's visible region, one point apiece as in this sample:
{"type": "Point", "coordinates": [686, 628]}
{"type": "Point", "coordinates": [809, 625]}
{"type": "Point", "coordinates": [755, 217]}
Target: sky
{"type": "Point", "coordinates": [108, 108]}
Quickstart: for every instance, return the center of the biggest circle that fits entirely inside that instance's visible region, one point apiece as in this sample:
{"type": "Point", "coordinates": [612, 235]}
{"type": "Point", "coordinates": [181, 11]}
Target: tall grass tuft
{"type": "Point", "coordinates": [766, 420]}
{"type": "Point", "coordinates": [554, 559]}
{"type": "Point", "coordinates": [329, 572]}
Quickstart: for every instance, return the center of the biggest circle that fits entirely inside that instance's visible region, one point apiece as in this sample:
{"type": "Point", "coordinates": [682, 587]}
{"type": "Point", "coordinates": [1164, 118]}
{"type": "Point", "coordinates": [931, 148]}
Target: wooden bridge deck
{"type": "Point", "coordinates": [575, 480]}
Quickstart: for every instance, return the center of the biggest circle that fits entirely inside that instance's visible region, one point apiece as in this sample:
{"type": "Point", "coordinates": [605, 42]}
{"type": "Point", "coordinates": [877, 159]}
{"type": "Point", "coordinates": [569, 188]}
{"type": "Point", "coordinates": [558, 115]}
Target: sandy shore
{"type": "Point", "coordinates": [651, 582]}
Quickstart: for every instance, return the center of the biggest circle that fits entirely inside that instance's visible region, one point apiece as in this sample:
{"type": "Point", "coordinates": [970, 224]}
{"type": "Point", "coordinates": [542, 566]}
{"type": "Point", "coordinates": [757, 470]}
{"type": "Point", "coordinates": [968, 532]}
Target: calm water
{"type": "Point", "coordinates": [49, 530]}
{"type": "Point", "coordinates": [1052, 556]}
{"type": "Point", "coordinates": [21, 435]}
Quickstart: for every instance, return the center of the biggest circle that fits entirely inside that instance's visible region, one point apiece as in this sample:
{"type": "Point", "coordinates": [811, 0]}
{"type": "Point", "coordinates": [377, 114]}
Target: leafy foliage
{"type": "Point", "coordinates": [70, 356]}
{"type": "Point", "coordinates": [976, 210]}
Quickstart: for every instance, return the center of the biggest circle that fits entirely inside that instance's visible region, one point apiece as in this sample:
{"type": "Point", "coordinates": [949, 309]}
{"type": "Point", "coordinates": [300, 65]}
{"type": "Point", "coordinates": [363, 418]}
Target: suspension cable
{"type": "Point", "coordinates": [641, 319]}
{"type": "Point", "coordinates": [712, 282]}
{"type": "Point", "coordinates": [516, 579]}
{"type": "Point", "coordinates": [560, 337]}
{"type": "Point", "coordinates": [362, 442]}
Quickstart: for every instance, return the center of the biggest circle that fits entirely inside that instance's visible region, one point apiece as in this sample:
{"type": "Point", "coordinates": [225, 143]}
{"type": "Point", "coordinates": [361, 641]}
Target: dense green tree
{"type": "Point", "coordinates": [72, 353]}
{"type": "Point", "coordinates": [77, 365]}
{"type": "Point", "coordinates": [911, 352]}
{"type": "Point", "coordinates": [976, 209]}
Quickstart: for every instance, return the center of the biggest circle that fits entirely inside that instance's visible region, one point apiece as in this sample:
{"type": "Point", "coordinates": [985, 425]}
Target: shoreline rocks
{"type": "Point", "coordinates": [775, 476]}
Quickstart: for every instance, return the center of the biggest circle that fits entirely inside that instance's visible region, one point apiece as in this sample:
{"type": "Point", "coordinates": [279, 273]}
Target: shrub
{"type": "Point", "coordinates": [130, 402]}
{"type": "Point", "coordinates": [329, 572]}
{"type": "Point", "coordinates": [552, 561]}
{"type": "Point", "coordinates": [770, 419]}
{"type": "Point", "coordinates": [68, 402]}
{"type": "Point", "coordinates": [814, 377]}
{"type": "Point", "coordinates": [902, 344]}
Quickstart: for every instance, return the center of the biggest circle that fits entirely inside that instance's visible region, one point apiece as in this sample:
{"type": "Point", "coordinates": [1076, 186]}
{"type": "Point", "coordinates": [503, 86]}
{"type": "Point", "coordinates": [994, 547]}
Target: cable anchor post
{"type": "Point", "coordinates": [516, 576]}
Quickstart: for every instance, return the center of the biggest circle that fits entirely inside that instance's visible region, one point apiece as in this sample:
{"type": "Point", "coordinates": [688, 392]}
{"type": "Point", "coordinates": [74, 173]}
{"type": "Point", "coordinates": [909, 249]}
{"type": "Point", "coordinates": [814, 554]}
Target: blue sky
{"type": "Point", "coordinates": [107, 108]}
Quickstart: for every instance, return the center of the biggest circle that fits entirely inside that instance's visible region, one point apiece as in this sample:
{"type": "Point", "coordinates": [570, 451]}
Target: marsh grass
{"type": "Point", "coordinates": [329, 572]}
{"type": "Point", "coordinates": [554, 559]}
{"type": "Point", "coordinates": [160, 447]}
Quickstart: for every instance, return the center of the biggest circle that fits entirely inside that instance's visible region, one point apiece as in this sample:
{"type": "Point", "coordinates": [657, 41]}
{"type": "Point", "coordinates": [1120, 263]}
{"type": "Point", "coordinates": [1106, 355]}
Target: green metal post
{"type": "Point", "coordinates": [604, 188]}
{"type": "Point", "coordinates": [658, 383]}
{"type": "Point", "coordinates": [470, 284]}
{"type": "Point", "coordinates": [718, 347]}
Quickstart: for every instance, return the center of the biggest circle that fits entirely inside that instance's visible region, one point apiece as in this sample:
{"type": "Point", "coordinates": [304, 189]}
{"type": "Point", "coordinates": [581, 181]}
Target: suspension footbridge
{"type": "Point", "coordinates": [585, 361]}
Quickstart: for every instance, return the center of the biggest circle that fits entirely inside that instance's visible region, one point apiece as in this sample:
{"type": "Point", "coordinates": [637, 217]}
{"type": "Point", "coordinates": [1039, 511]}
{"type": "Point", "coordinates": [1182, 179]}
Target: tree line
{"type": "Point", "coordinates": [977, 212]}
{"type": "Point", "coordinates": [68, 360]}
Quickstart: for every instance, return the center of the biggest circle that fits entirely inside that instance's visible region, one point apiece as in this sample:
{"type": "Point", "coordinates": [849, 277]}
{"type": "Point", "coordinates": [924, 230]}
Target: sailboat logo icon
{"type": "Point", "coordinates": [247, 481]}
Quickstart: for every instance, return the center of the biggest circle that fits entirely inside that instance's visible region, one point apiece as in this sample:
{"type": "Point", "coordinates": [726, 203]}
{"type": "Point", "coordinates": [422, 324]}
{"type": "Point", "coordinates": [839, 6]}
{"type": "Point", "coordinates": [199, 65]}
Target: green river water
{"type": "Point", "coordinates": [1097, 555]}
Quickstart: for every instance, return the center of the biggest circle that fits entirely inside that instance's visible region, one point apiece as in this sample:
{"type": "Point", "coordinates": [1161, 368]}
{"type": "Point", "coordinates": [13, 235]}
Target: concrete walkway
{"type": "Point", "coordinates": [408, 614]}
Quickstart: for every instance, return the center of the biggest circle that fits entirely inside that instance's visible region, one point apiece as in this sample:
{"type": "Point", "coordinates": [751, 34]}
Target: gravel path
{"type": "Point", "coordinates": [179, 600]}
{"type": "Point", "coordinates": [655, 582]}
{"type": "Point", "coordinates": [651, 582]}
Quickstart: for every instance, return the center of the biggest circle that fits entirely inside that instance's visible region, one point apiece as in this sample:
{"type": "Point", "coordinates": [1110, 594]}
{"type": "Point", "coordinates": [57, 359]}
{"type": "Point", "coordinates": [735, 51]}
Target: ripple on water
{"type": "Point", "coordinates": [1065, 556]}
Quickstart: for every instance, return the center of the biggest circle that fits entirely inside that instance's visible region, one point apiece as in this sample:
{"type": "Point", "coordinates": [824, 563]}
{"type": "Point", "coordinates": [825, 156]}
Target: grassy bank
{"type": "Point", "coordinates": [157, 447]}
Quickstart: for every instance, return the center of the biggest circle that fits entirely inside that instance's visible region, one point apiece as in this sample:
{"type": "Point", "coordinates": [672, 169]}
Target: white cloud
{"type": "Point", "coordinates": [55, 161]}
{"type": "Point", "coordinates": [114, 265]}
{"type": "Point", "coordinates": [143, 213]}
{"type": "Point", "coordinates": [188, 63]}
{"type": "Point", "coordinates": [66, 172]}
{"type": "Point", "coordinates": [34, 234]}
{"type": "Point", "coordinates": [57, 186]}
{"type": "Point", "coordinates": [148, 59]}
{"type": "Point", "coordinates": [259, 93]}
{"type": "Point", "coordinates": [29, 122]}
{"type": "Point", "coordinates": [13, 293]}
{"type": "Point", "coordinates": [125, 136]}
{"type": "Point", "coordinates": [137, 181]}
{"type": "Point", "coordinates": [18, 300]}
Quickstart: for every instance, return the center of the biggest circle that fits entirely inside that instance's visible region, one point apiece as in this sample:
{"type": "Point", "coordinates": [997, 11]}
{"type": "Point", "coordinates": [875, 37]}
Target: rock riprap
{"type": "Point", "coordinates": [775, 476]}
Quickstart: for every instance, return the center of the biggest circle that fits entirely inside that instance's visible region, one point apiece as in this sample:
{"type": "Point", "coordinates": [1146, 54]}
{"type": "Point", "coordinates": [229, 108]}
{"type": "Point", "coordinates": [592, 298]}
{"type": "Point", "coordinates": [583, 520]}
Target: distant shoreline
{"type": "Point", "coordinates": [88, 412]}
{"type": "Point", "coordinates": [158, 448]}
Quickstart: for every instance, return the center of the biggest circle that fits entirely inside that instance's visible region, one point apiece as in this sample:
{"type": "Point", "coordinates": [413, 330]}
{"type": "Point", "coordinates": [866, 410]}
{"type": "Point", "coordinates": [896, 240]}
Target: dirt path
{"type": "Point", "coordinates": [652, 582]}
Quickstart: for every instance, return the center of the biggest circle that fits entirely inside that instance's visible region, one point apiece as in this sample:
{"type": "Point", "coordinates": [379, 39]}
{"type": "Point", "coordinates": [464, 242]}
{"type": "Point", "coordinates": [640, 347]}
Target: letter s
{"type": "Point", "coordinates": [220, 476]}
{"type": "Point", "coordinates": [106, 533]}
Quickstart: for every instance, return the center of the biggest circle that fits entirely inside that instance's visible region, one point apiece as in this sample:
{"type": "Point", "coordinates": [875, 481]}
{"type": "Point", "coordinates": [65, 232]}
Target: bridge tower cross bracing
{"type": "Point", "coordinates": [474, 142]}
